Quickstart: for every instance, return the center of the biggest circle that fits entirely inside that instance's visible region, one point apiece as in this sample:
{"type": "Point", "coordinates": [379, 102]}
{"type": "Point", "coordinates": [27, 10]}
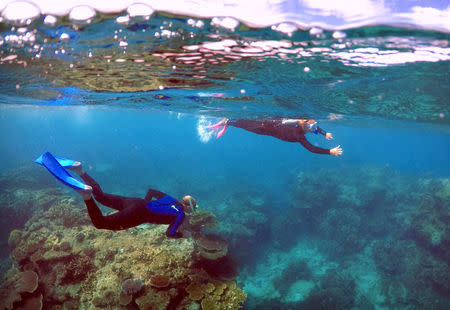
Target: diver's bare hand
{"type": "Point", "coordinates": [336, 151]}
{"type": "Point", "coordinates": [329, 136]}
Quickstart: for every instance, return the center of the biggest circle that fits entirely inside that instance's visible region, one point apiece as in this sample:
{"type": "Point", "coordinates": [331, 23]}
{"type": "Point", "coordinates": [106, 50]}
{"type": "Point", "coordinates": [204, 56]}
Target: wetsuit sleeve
{"type": "Point", "coordinates": [312, 148]}
{"type": "Point", "coordinates": [153, 193]}
{"type": "Point", "coordinates": [321, 131]}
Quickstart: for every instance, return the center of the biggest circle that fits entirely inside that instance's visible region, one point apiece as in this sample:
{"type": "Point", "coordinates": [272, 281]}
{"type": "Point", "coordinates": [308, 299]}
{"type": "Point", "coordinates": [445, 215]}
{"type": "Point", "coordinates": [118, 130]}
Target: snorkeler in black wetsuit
{"type": "Point", "coordinates": [134, 211]}
{"type": "Point", "coordinates": [290, 130]}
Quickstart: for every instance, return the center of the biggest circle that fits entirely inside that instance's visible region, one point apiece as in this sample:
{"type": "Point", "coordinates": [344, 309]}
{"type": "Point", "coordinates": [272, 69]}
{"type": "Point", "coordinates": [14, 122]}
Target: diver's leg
{"type": "Point", "coordinates": [130, 216]}
{"type": "Point", "coordinates": [258, 127]}
{"type": "Point", "coordinates": [108, 200]}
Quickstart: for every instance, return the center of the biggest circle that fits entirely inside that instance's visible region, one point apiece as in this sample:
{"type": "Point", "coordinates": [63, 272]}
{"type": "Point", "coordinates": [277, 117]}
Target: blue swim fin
{"type": "Point", "coordinates": [55, 168]}
{"type": "Point", "coordinates": [62, 161]}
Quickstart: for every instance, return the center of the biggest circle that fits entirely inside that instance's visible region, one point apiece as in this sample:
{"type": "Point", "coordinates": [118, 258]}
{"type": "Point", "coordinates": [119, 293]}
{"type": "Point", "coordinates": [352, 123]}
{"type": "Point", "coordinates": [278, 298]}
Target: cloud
{"type": "Point", "coordinates": [349, 10]}
{"type": "Point", "coordinates": [428, 17]}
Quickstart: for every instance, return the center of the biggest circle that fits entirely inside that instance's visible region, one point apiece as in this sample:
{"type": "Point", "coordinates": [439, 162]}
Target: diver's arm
{"type": "Point", "coordinates": [321, 131]}
{"type": "Point", "coordinates": [171, 231]}
{"type": "Point", "coordinates": [327, 135]}
{"type": "Point", "coordinates": [153, 193]}
{"type": "Point", "coordinates": [312, 148]}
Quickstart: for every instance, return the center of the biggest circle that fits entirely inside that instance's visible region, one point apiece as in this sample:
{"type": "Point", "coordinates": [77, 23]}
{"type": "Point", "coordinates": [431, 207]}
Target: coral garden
{"type": "Point", "coordinates": [60, 261]}
{"type": "Point", "coordinates": [364, 238]}
{"type": "Point", "coordinates": [353, 238]}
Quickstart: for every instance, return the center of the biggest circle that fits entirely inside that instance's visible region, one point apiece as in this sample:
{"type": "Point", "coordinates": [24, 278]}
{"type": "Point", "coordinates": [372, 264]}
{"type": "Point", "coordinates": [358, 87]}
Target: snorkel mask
{"type": "Point", "coordinates": [192, 203]}
{"type": "Point", "coordinates": [312, 127]}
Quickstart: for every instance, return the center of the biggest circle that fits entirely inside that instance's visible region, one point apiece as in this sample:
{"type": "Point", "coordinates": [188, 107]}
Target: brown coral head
{"type": "Point", "coordinates": [159, 281]}
{"type": "Point", "coordinates": [199, 220]}
{"type": "Point", "coordinates": [27, 282]}
{"type": "Point", "coordinates": [211, 246]}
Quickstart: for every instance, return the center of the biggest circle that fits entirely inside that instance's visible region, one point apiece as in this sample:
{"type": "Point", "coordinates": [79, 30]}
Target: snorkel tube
{"type": "Point", "coordinates": [193, 208]}
{"type": "Point", "coordinates": [192, 203]}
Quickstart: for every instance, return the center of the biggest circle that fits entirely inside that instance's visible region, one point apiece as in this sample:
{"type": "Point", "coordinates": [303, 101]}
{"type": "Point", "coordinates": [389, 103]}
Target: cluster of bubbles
{"type": "Point", "coordinates": [22, 15]}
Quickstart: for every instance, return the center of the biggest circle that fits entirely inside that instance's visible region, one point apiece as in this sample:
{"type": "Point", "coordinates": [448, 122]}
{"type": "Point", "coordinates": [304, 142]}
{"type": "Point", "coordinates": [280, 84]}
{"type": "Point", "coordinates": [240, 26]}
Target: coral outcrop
{"type": "Point", "coordinates": [81, 267]}
{"type": "Point", "coordinates": [211, 247]}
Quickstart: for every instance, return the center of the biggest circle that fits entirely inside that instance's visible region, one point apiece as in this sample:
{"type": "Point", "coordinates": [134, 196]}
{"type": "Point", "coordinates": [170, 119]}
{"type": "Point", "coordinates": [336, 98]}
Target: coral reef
{"type": "Point", "coordinates": [382, 238]}
{"type": "Point", "coordinates": [336, 291]}
{"type": "Point", "coordinates": [23, 192]}
{"type": "Point", "coordinates": [80, 267]}
{"type": "Point", "coordinates": [343, 226]}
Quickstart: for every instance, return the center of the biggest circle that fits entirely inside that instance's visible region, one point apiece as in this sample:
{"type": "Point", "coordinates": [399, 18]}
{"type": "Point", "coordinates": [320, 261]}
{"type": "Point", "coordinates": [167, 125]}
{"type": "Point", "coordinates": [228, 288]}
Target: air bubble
{"type": "Point", "coordinates": [339, 35]}
{"type": "Point", "coordinates": [64, 36]}
{"type": "Point", "coordinates": [194, 23]}
{"type": "Point", "coordinates": [287, 28]}
{"type": "Point", "coordinates": [123, 19]}
{"type": "Point", "coordinates": [315, 31]}
{"type": "Point", "coordinates": [20, 12]}
{"type": "Point", "coordinates": [50, 20]}
{"type": "Point", "coordinates": [82, 14]}
{"type": "Point", "coordinates": [140, 11]}
{"type": "Point", "coordinates": [225, 22]}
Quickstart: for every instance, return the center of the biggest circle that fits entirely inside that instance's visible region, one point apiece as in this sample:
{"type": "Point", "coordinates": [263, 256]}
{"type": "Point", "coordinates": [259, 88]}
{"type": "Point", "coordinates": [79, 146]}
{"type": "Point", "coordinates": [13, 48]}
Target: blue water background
{"type": "Point", "coordinates": [149, 149]}
{"type": "Point", "coordinates": [134, 140]}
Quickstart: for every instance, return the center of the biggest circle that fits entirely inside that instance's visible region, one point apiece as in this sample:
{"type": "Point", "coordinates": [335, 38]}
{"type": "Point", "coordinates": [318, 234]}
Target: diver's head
{"type": "Point", "coordinates": [311, 126]}
{"type": "Point", "coordinates": [189, 204]}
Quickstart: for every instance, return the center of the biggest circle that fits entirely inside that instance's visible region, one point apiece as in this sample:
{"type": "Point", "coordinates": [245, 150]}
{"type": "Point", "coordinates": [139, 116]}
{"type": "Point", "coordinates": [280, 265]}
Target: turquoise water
{"type": "Point", "coordinates": [307, 231]}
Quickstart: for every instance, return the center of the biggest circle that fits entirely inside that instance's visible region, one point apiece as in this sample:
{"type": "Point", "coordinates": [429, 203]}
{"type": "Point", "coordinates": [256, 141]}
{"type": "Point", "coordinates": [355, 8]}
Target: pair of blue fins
{"type": "Point", "coordinates": [55, 165]}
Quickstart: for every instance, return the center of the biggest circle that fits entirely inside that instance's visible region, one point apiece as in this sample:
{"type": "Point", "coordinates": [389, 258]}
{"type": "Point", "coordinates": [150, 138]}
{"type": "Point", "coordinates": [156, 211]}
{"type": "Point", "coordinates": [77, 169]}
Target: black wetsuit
{"type": "Point", "coordinates": [289, 132]}
{"type": "Point", "coordinates": [133, 211]}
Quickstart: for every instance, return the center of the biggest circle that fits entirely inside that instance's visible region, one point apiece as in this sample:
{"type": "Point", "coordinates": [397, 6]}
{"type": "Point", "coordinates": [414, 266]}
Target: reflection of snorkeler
{"type": "Point", "coordinates": [131, 211]}
{"type": "Point", "coordinates": [290, 130]}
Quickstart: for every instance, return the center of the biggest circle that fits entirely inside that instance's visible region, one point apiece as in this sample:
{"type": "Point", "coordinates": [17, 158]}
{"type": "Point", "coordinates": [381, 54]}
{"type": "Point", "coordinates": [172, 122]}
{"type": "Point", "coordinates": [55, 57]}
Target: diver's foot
{"type": "Point", "coordinates": [76, 167]}
{"type": "Point", "coordinates": [86, 192]}
{"type": "Point", "coordinates": [219, 124]}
